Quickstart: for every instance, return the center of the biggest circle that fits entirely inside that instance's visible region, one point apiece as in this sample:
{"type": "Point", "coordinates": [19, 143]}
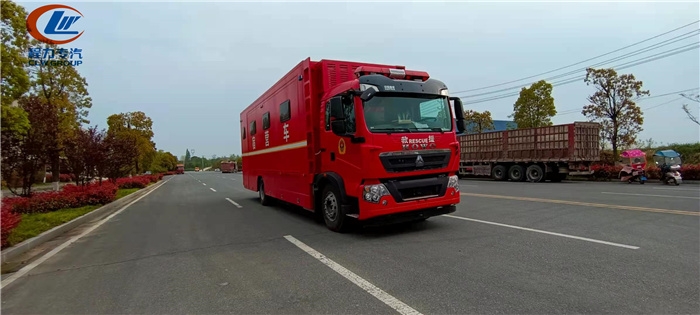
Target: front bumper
{"type": "Point", "coordinates": [387, 206]}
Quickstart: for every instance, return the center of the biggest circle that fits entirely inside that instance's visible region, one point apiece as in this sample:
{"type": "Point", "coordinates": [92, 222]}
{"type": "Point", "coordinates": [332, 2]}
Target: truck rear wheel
{"type": "Point", "coordinates": [332, 210]}
{"type": "Point", "coordinates": [499, 173]}
{"type": "Point", "coordinates": [516, 173]}
{"type": "Point", "coordinates": [535, 173]}
{"type": "Point", "coordinates": [264, 199]}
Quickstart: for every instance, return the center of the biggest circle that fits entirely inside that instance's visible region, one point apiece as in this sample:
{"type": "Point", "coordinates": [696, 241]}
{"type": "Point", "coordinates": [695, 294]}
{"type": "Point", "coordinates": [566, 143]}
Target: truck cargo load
{"type": "Point", "coordinates": [532, 154]}
{"type": "Point", "coordinates": [354, 141]}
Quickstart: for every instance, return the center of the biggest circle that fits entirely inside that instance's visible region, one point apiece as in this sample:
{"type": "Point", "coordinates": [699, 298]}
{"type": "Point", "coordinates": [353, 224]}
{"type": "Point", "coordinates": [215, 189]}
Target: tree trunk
{"type": "Point", "coordinates": [55, 171]}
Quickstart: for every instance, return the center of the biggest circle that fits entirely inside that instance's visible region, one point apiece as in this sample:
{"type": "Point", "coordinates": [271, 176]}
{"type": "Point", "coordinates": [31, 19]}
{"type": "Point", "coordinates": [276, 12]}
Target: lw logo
{"type": "Point", "coordinates": [61, 22]}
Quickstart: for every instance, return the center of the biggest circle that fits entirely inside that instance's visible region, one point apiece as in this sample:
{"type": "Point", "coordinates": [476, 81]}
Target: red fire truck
{"type": "Point", "coordinates": [228, 166]}
{"type": "Point", "coordinates": [349, 140]}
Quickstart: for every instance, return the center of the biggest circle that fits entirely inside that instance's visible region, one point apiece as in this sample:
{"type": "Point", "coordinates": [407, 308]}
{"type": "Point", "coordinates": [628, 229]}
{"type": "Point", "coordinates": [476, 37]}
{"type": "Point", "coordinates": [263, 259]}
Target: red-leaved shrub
{"type": "Point", "coordinates": [71, 196]}
{"type": "Point", "coordinates": [134, 182]}
{"type": "Point", "coordinates": [8, 221]}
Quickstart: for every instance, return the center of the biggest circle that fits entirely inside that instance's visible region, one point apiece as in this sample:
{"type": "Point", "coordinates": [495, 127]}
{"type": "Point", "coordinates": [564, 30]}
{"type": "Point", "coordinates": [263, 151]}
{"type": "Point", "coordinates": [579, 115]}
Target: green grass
{"type": "Point", "coordinates": [36, 223]}
{"type": "Point", "coordinates": [125, 192]}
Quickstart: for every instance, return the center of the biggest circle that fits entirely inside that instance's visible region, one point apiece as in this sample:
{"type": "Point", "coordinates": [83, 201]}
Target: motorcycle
{"type": "Point", "coordinates": [669, 162]}
{"type": "Point", "coordinates": [634, 166]}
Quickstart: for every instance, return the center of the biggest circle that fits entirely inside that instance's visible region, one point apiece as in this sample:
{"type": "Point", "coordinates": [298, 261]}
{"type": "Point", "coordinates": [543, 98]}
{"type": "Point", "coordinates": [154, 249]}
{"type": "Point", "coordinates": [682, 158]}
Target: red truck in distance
{"type": "Point", "coordinates": [228, 167]}
{"type": "Point", "coordinates": [180, 169]}
{"type": "Point", "coordinates": [355, 141]}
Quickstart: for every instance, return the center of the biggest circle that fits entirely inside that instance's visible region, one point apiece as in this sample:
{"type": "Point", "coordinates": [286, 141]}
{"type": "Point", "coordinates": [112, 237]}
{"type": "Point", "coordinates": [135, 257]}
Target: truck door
{"type": "Point", "coordinates": [339, 153]}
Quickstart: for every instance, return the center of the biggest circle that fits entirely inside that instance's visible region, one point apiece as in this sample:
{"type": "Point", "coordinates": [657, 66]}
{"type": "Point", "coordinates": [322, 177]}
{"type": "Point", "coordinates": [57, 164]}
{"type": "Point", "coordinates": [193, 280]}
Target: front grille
{"type": "Point", "coordinates": [417, 188]}
{"type": "Point", "coordinates": [406, 161]}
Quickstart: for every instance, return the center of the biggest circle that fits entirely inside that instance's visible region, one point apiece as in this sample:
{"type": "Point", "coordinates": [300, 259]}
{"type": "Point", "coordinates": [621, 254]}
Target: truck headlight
{"type": "Point", "coordinates": [453, 182]}
{"type": "Point", "coordinates": [372, 193]}
{"type": "Point", "coordinates": [444, 92]}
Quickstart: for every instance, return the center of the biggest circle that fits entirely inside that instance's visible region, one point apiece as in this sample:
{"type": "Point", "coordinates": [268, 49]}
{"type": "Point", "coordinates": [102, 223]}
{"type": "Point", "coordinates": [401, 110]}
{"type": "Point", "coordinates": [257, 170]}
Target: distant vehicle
{"type": "Point", "coordinates": [216, 170]}
{"type": "Point", "coordinates": [228, 167]}
{"type": "Point", "coordinates": [353, 140]}
{"type": "Point", "coordinates": [196, 169]}
{"type": "Point", "coordinates": [532, 154]}
{"type": "Point", "coordinates": [669, 163]}
{"type": "Point", "coordinates": [180, 169]}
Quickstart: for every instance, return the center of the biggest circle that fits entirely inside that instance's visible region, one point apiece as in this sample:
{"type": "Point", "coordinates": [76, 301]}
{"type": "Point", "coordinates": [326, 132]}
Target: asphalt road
{"type": "Point", "coordinates": [573, 247]}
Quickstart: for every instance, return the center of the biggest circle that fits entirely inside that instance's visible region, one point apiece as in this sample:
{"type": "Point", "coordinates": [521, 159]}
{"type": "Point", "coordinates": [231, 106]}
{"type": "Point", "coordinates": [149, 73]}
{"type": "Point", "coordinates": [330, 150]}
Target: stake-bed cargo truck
{"type": "Point", "coordinates": [354, 140]}
{"type": "Point", "coordinates": [228, 167]}
{"type": "Point", "coordinates": [532, 154]}
{"type": "Point", "coordinates": [180, 169]}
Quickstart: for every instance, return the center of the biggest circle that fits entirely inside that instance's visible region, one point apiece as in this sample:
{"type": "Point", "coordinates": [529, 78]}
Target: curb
{"type": "Point", "coordinates": [95, 215]}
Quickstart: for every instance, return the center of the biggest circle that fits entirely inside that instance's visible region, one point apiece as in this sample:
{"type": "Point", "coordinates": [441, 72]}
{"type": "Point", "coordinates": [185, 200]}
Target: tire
{"type": "Point", "coordinates": [641, 182]}
{"type": "Point", "coordinates": [516, 173]}
{"type": "Point", "coordinates": [264, 198]}
{"type": "Point", "coordinates": [534, 173]}
{"type": "Point", "coordinates": [332, 210]}
{"type": "Point", "coordinates": [499, 173]}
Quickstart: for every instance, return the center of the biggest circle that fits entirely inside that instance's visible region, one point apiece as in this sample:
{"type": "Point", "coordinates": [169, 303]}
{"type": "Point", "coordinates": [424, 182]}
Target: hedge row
{"type": "Point", "coordinates": [608, 172]}
{"type": "Point", "coordinates": [71, 196]}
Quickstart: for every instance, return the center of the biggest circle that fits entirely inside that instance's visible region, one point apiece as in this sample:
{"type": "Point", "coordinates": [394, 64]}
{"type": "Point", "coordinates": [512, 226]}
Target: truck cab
{"type": "Point", "coordinates": [391, 137]}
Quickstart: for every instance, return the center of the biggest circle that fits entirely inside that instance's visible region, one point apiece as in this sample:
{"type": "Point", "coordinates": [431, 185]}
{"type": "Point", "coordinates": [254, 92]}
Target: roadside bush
{"type": "Point", "coordinates": [8, 221]}
{"type": "Point", "coordinates": [169, 173]}
{"type": "Point", "coordinates": [63, 178]}
{"type": "Point", "coordinates": [134, 182]}
{"type": "Point", "coordinates": [611, 172]}
{"type": "Point", "coordinates": [71, 196]}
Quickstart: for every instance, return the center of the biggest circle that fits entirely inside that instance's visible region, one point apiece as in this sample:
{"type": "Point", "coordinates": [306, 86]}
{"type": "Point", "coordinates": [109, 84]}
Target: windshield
{"type": "Point", "coordinates": [392, 113]}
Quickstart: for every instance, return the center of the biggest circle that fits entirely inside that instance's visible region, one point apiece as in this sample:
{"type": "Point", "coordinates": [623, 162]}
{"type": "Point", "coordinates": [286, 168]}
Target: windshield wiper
{"type": "Point", "coordinates": [435, 129]}
{"type": "Point", "coordinates": [390, 130]}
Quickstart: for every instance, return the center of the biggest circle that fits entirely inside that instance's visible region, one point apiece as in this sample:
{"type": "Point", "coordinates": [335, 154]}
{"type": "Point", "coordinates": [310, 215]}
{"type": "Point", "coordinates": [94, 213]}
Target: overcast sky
{"type": "Point", "coordinates": [192, 67]}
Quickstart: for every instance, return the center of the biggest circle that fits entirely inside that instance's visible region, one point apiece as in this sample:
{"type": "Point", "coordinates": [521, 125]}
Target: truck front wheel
{"type": "Point", "coordinates": [332, 210]}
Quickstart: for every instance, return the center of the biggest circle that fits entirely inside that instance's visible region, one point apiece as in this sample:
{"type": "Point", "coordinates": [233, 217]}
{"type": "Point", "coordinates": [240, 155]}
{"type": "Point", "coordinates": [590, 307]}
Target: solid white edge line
{"type": "Point", "coordinates": [545, 232]}
{"type": "Point", "coordinates": [648, 195]}
{"type": "Point", "coordinates": [234, 203]}
{"type": "Point", "coordinates": [55, 251]}
{"type": "Point", "coordinates": [378, 293]}
{"type": "Point", "coordinates": [212, 189]}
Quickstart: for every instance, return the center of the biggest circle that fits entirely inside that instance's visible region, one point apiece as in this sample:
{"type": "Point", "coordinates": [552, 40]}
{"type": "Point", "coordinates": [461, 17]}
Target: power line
{"type": "Point", "coordinates": [625, 56]}
{"type": "Point", "coordinates": [578, 63]}
{"type": "Point", "coordinates": [630, 64]}
{"type": "Point", "coordinates": [640, 99]}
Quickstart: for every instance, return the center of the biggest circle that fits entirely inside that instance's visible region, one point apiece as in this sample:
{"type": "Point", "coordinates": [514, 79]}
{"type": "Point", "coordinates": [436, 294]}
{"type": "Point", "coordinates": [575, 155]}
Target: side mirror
{"type": "Point", "coordinates": [337, 109]}
{"type": "Point", "coordinates": [459, 115]}
{"type": "Point", "coordinates": [338, 127]}
{"type": "Point", "coordinates": [368, 94]}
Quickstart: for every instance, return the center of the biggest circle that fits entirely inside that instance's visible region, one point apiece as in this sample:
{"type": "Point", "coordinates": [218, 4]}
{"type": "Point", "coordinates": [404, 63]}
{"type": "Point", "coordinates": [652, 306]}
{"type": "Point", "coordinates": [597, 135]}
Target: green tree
{"type": "Point", "coordinates": [65, 93]}
{"type": "Point", "coordinates": [138, 127]}
{"type": "Point", "coordinates": [15, 77]}
{"type": "Point", "coordinates": [535, 106]}
{"type": "Point", "coordinates": [478, 122]}
{"type": "Point", "coordinates": [613, 106]}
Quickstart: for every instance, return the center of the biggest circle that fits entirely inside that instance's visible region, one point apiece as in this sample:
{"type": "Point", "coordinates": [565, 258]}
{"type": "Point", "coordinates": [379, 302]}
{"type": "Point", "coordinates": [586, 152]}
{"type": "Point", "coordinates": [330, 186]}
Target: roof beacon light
{"type": "Point", "coordinates": [398, 72]}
